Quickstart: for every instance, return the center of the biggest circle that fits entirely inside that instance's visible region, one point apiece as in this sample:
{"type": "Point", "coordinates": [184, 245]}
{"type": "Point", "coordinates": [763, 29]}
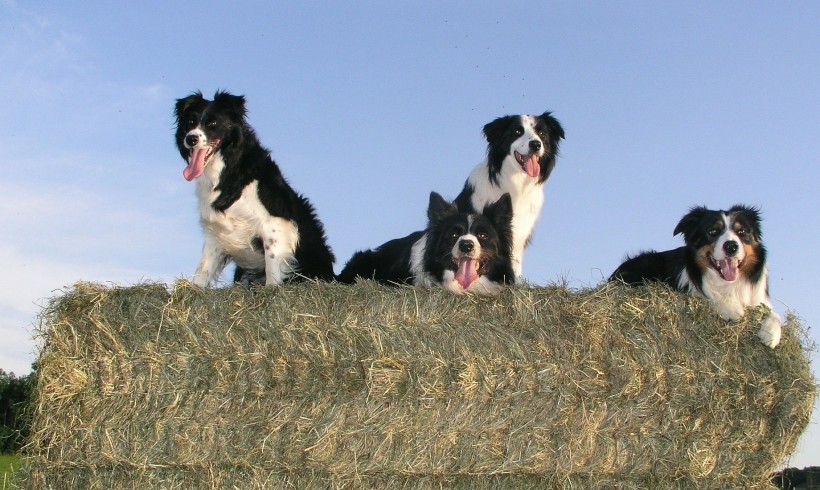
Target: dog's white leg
{"type": "Point", "coordinates": [516, 266]}
{"type": "Point", "coordinates": [279, 238]}
{"type": "Point", "coordinates": [212, 262]}
{"type": "Point", "coordinates": [771, 330]}
{"type": "Point", "coordinates": [516, 259]}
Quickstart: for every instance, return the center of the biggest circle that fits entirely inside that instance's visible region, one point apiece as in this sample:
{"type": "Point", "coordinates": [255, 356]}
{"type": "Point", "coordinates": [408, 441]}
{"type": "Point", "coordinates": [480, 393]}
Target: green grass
{"type": "Point", "coordinates": [8, 464]}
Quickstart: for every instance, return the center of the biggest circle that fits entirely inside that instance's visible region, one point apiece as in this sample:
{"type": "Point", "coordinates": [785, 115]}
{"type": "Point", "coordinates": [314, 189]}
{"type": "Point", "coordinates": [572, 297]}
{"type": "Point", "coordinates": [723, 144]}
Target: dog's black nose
{"type": "Point", "coordinates": [730, 248]}
{"type": "Point", "coordinates": [535, 145]}
{"type": "Point", "coordinates": [191, 140]}
{"type": "Point", "coordinates": [466, 246]}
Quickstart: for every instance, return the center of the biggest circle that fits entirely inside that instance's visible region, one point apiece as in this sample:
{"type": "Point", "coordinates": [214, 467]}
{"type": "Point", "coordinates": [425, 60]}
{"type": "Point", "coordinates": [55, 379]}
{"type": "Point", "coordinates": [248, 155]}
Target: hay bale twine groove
{"type": "Point", "coordinates": [334, 386]}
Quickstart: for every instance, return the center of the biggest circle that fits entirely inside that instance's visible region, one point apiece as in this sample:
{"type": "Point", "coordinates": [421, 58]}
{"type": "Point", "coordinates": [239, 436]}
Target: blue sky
{"type": "Point", "coordinates": [369, 106]}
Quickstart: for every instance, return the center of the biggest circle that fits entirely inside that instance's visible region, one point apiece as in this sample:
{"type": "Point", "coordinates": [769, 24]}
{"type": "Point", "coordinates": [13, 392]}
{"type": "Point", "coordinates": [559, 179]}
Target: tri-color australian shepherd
{"type": "Point", "coordinates": [521, 154]}
{"type": "Point", "coordinates": [723, 260]}
{"type": "Point", "coordinates": [457, 251]}
{"type": "Point", "coordinates": [248, 211]}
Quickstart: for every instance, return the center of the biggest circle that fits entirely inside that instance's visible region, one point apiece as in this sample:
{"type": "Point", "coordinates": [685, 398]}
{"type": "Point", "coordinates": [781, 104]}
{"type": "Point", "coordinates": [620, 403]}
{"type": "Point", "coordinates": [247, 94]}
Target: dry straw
{"type": "Point", "coordinates": [333, 386]}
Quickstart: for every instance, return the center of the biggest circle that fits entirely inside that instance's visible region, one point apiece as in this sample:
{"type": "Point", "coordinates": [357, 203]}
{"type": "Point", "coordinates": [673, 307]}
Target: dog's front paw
{"type": "Point", "coordinates": [730, 310]}
{"type": "Point", "coordinates": [770, 331]}
{"type": "Point", "coordinates": [201, 279]}
{"type": "Point", "coordinates": [200, 282]}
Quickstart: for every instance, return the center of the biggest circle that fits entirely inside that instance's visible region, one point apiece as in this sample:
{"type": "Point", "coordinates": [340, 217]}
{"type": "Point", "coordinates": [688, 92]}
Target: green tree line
{"type": "Point", "coordinates": [14, 413]}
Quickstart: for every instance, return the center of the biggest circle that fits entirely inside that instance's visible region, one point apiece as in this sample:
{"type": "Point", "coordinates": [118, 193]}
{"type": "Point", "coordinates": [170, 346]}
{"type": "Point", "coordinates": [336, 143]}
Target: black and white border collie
{"type": "Point", "coordinates": [249, 213]}
{"type": "Point", "coordinates": [723, 260]}
{"type": "Point", "coordinates": [458, 251]}
{"type": "Point", "coordinates": [521, 154]}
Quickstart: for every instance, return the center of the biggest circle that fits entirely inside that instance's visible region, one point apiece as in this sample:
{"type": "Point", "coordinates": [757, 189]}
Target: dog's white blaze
{"type": "Point", "coordinates": [728, 235]}
{"type": "Point", "coordinates": [522, 143]}
{"type": "Point", "coordinates": [476, 253]}
{"type": "Point", "coordinates": [232, 232]}
{"type": "Point", "coordinates": [202, 139]}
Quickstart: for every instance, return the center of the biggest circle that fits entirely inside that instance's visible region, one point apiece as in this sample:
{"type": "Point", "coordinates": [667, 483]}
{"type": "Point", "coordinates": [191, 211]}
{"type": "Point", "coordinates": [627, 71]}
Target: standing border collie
{"type": "Point", "coordinates": [521, 154]}
{"type": "Point", "coordinates": [723, 260]}
{"type": "Point", "coordinates": [458, 251]}
{"type": "Point", "coordinates": [249, 213]}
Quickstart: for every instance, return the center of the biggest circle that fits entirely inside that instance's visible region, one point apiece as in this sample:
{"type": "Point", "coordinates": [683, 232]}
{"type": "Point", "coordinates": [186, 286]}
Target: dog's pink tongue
{"type": "Point", "coordinates": [728, 269]}
{"type": "Point", "coordinates": [532, 166]}
{"type": "Point", "coordinates": [467, 271]}
{"type": "Point", "coordinates": [196, 164]}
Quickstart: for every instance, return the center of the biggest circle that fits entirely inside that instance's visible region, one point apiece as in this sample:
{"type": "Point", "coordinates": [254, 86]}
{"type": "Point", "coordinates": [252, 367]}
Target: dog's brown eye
{"type": "Point", "coordinates": [713, 232]}
{"type": "Point", "coordinates": [741, 232]}
{"type": "Point", "coordinates": [212, 124]}
{"type": "Point", "coordinates": [482, 236]}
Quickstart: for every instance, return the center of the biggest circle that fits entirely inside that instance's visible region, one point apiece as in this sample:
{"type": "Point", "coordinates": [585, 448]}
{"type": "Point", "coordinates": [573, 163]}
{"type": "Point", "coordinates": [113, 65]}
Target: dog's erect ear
{"type": "Point", "coordinates": [439, 208]}
{"type": "Point", "coordinates": [495, 130]}
{"type": "Point", "coordinates": [184, 104]}
{"type": "Point", "coordinates": [500, 212]}
{"type": "Point", "coordinates": [233, 105]}
{"type": "Point", "coordinates": [688, 225]}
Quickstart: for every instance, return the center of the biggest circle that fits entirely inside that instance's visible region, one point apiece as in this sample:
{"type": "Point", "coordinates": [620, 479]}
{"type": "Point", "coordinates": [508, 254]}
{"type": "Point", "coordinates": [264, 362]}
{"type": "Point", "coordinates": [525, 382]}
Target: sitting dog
{"type": "Point", "coordinates": [723, 260]}
{"type": "Point", "coordinates": [249, 213]}
{"type": "Point", "coordinates": [458, 251]}
{"type": "Point", "coordinates": [521, 152]}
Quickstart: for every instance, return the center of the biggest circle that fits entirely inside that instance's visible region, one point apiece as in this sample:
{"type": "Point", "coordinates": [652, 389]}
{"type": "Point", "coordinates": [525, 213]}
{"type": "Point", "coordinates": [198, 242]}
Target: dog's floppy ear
{"type": "Point", "coordinates": [183, 105]}
{"type": "Point", "coordinates": [750, 217]}
{"type": "Point", "coordinates": [495, 130]}
{"type": "Point", "coordinates": [555, 135]}
{"type": "Point", "coordinates": [233, 105]}
{"type": "Point", "coordinates": [688, 225]}
{"type": "Point", "coordinates": [555, 129]}
{"type": "Point", "coordinates": [439, 208]}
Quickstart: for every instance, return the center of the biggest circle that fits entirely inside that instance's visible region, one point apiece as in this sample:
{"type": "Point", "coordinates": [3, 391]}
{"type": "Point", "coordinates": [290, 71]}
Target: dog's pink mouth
{"type": "Point", "coordinates": [197, 160]}
{"type": "Point", "coordinates": [467, 272]}
{"type": "Point", "coordinates": [530, 163]}
{"type": "Point", "coordinates": [727, 268]}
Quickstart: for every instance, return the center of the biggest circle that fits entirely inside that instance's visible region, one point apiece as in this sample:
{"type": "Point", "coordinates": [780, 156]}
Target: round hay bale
{"type": "Point", "coordinates": [335, 386]}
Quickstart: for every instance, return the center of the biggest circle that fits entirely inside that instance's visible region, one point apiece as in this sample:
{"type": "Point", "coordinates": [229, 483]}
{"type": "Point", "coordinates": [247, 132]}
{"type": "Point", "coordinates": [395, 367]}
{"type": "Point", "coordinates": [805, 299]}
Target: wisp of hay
{"type": "Point", "coordinates": [334, 386]}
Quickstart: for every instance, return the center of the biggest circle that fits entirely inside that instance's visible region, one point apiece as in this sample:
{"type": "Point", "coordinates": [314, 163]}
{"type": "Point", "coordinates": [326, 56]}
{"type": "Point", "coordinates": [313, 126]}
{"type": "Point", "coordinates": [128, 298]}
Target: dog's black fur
{"type": "Point", "coordinates": [723, 259]}
{"type": "Point", "coordinates": [435, 256]}
{"type": "Point", "coordinates": [235, 160]}
{"type": "Point", "coordinates": [521, 154]}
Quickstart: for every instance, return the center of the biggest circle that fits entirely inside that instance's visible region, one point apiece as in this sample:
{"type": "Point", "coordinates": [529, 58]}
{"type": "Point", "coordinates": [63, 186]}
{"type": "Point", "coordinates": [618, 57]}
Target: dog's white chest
{"type": "Point", "coordinates": [527, 197]}
{"type": "Point", "coordinates": [235, 228]}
